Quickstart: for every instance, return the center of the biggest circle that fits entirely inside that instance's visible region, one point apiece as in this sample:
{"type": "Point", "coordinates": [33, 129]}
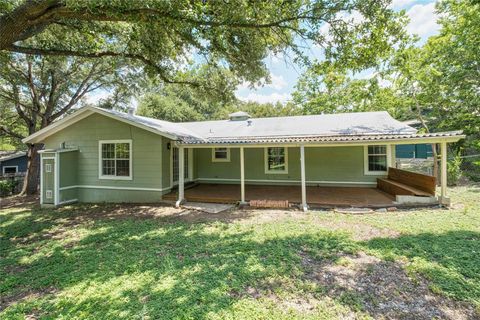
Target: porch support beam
{"type": "Point", "coordinates": [181, 176]}
{"type": "Point", "coordinates": [242, 177]}
{"type": "Point", "coordinates": [443, 180]}
{"type": "Point", "coordinates": [304, 206]}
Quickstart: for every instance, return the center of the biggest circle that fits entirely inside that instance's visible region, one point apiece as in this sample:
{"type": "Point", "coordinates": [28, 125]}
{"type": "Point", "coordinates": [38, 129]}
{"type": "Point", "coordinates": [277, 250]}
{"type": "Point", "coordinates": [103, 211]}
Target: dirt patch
{"type": "Point", "coordinates": [359, 231]}
{"type": "Point", "coordinates": [382, 289]}
{"type": "Point", "coordinates": [18, 201]}
{"type": "Point", "coordinates": [6, 301]}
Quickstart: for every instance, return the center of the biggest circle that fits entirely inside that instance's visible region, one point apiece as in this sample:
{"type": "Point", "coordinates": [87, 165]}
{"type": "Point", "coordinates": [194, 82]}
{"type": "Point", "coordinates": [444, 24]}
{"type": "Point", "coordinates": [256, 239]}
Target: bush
{"type": "Point", "coordinates": [7, 187]}
{"type": "Point", "coordinates": [454, 170]}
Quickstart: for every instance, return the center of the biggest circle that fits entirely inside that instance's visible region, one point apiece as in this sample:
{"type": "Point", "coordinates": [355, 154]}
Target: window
{"type": "Point", "coordinates": [115, 159]}
{"type": "Point", "coordinates": [376, 159]}
{"type": "Point", "coordinates": [49, 194]}
{"type": "Point", "coordinates": [276, 160]}
{"type": "Point", "coordinates": [220, 155]}
{"type": "Point", "coordinates": [48, 167]}
{"type": "Point", "coordinates": [10, 169]}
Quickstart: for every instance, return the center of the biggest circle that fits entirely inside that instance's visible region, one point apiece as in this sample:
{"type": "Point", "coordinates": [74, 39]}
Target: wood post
{"type": "Point", "coordinates": [304, 185]}
{"type": "Point", "coordinates": [181, 176]}
{"type": "Point", "coordinates": [242, 176]}
{"type": "Point", "coordinates": [443, 193]}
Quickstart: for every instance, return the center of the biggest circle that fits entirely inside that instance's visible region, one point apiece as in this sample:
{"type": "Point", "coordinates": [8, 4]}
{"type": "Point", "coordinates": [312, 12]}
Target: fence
{"type": "Point", "coordinates": [11, 184]}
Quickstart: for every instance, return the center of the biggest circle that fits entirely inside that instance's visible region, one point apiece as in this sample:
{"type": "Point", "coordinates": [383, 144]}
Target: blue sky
{"type": "Point", "coordinates": [284, 74]}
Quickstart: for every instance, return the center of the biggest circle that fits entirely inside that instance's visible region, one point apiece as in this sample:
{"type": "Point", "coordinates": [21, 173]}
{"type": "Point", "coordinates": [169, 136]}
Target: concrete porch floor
{"type": "Point", "coordinates": [316, 196]}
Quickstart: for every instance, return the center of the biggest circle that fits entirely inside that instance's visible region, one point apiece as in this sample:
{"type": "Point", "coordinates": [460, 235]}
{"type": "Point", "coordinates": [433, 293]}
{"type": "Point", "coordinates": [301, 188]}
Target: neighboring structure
{"type": "Point", "coordinates": [96, 155]}
{"type": "Point", "coordinates": [13, 162]}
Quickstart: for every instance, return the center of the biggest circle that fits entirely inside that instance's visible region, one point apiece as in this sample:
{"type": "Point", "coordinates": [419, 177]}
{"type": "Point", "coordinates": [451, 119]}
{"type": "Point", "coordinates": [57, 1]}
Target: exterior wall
{"type": "Point", "coordinates": [147, 170]}
{"type": "Point", "coordinates": [68, 169]}
{"type": "Point", "coordinates": [166, 159]}
{"type": "Point", "coordinates": [323, 166]}
{"type": "Point", "coordinates": [20, 162]}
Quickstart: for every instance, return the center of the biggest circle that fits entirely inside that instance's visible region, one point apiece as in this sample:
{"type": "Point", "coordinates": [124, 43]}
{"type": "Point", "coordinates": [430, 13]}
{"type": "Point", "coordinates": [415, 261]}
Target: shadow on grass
{"type": "Point", "coordinates": [100, 262]}
{"type": "Point", "coordinates": [450, 260]}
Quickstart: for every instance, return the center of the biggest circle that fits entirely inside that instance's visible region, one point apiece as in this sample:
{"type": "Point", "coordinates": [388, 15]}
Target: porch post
{"type": "Point", "coordinates": [304, 185]}
{"type": "Point", "coordinates": [181, 176]}
{"type": "Point", "coordinates": [242, 176]}
{"type": "Point", "coordinates": [443, 193]}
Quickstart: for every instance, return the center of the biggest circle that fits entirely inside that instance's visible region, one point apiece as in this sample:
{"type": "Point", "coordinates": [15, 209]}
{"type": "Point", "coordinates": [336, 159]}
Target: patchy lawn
{"type": "Point", "coordinates": [111, 262]}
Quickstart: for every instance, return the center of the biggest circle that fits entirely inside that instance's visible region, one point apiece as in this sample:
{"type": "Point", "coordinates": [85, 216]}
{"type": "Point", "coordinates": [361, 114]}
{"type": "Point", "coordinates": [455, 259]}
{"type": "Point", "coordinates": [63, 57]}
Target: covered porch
{"type": "Point", "coordinates": [317, 196]}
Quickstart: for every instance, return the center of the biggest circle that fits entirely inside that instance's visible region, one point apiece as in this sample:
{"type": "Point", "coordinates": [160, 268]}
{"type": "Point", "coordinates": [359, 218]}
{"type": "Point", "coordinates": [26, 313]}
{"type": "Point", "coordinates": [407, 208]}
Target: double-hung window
{"type": "Point", "coordinates": [276, 160]}
{"type": "Point", "coordinates": [115, 159]}
{"type": "Point", "coordinates": [376, 159]}
{"type": "Point", "coordinates": [220, 155]}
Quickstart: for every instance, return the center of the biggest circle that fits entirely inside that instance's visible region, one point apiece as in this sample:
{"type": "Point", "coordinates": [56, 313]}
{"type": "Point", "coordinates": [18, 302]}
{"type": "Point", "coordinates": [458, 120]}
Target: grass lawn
{"type": "Point", "coordinates": [148, 262]}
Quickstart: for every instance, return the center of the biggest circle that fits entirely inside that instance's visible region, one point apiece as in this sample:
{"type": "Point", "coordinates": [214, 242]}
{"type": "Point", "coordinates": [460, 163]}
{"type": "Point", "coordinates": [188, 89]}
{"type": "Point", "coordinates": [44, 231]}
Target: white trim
{"type": "Point", "coordinates": [302, 175]}
{"type": "Point", "coordinates": [130, 153]}
{"type": "Point", "coordinates": [443, 176]}
{"type": "Point", "coordinates": [82, 114]}
{"type": "Point", "coordinates": [290, 181]}
{"type": "Point", "coordinates": [3, 168]}
{"type": "Point", "coordinates": [68, 201]}
{"type": "Point", "coordinates": [419, 140]}
{"type": "Point", "coordinates": [181, 175]}
{"type": "Point", "coordinates": [114, 188]}
{"type": "Point", "coordinates": [265, 156]}
{"type": "Point", "coordinates": [227, 159]}
{"type": "Point", "coordinates": [58, 150]}
{"type": "Point", "coordinates": [56, 184]}
{"type": "Point", "coordinates": [41, 180]}
{"type": "Point", "coordinates": [242, 176]}
{"type": "Point", "coordinates": [388, 155]}
{"type": "Point", "coordinates": [48, 158]}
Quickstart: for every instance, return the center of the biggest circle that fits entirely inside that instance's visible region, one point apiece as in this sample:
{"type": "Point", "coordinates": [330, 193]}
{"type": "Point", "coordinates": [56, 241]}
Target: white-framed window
{"type": "Point", "coordinates": [276, 160]}
{"type": "Point", "coordinates": [221, 155]}
{"type": "Point", "coordinates": [377, 159]}
{"type": "Point", "coordinates": [48, 167]}
{"type": "Point", "coordinates": [10, 169]}
{"type": "Point", "coordinates": [115, 159]}
{"type": "Point", "coordinates": [49, 194]}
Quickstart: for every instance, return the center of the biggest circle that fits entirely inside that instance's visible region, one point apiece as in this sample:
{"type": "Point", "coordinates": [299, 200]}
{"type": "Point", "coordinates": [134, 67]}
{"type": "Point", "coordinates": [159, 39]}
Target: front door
{"type": "Point", "coordinates": [175, 165]}
{"type": "Point", "coordinates": [48, 183]}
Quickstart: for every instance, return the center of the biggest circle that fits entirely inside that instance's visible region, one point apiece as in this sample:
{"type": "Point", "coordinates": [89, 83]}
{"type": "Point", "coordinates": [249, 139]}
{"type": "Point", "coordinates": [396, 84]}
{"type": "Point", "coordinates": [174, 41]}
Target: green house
{"type": "Point", "coordinates": [98, 155]}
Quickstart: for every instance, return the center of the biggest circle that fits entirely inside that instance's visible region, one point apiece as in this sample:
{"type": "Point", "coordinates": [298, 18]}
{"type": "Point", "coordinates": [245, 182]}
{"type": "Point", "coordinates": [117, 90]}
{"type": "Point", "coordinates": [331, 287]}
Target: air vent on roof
{"type": "Point", "coordinates": [239, 116]}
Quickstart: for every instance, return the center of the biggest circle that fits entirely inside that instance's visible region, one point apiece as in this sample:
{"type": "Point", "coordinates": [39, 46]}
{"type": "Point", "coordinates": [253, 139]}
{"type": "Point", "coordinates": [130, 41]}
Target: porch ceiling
{"type": "Point", "coordinates": [316, 196]}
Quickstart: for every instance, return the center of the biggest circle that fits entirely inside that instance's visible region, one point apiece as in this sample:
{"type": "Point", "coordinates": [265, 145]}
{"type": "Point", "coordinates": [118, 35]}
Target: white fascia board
{"type": "Point", "coordinates": [82, 114]}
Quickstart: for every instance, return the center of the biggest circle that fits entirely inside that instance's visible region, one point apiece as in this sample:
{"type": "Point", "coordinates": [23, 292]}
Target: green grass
{"type": "Point", "coordinates": [81, 263]}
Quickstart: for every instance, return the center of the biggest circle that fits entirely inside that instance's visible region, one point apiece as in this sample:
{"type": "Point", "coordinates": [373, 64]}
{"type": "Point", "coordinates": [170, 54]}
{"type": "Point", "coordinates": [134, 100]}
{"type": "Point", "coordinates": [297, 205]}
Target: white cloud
{"type": "Point", "coordinates": [277, 83]}
{"type": "Point", "coordinates": [354, 17]}
{"type": "Point", "coordinates": [401, 4]}
{"type": "Point", "coordinates": [423, 20]}
{"type": "Point", "coordinates": [265, 98]}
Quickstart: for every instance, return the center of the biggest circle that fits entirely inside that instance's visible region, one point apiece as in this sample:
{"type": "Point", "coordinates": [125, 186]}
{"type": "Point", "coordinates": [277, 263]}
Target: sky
{"type": "Point", "coordinates": [284, 75]}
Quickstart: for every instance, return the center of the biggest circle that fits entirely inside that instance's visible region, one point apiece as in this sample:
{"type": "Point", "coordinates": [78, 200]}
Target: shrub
{"type": "Point", "coordinates": [454, 170]}
{"type": "Point", "coordinates": [7, 187]}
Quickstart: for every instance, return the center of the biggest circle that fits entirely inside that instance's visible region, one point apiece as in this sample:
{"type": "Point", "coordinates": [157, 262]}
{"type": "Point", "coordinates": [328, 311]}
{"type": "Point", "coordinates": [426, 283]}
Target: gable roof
{"type": "Point", "coordinates": [329, 128]}
{"type": "Point", "coordinates": [160, 127]}
{"type": "Point", "coordinates": [8, 155]}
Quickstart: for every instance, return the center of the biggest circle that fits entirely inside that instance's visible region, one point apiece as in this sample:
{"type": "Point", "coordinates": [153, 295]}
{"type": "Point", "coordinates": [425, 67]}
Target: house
{"type": "Point", "coordinates": [97, 155]}
{"type": "Point", "coordinates": [13, 162]}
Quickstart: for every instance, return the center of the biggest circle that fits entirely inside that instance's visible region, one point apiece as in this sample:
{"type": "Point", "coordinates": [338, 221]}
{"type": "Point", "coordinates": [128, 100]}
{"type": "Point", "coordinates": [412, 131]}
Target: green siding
{"type": "Point", "coordinates": [119, 196]}
{"type": "Point", "coordinates": [68, 168]}
{"type": "Point", "coordinates": [323, 165]}
{"type": "Point", "coordinates": [146, 156]}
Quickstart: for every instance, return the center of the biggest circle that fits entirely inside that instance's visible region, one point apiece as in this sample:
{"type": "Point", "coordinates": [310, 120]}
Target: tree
{"type": "Point", "coordinates": [35, 91]}
{"type": "Point", "coordinates": [163, 34]}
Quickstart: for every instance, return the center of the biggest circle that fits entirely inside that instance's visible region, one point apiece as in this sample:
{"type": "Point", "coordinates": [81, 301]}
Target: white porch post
{"type": "Point", "coordinates": [304, 185]}
{"type": "Point", "coordinates": [443, 193]}
{"type": "Point", "coordinates": [242, 176]}
{"type": "Point", "coordinates": [181, 176]}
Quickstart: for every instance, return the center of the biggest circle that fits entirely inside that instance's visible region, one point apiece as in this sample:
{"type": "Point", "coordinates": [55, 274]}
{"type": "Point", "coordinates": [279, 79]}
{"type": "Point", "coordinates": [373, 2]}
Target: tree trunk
{"type": "Point", "coordinates": [30, 184]}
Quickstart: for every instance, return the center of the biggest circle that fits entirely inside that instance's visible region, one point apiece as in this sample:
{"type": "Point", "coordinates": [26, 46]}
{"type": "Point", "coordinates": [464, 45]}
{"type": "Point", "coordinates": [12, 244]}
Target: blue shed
{"type": "Point", "coordinates": [13, 162]}
{"type": "Point", "coordinates": [410, 151]}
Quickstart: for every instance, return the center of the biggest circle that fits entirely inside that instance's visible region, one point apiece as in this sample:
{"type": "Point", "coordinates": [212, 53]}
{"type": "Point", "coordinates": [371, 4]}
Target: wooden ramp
{"type": "Point", "coordinates": [316, 196]}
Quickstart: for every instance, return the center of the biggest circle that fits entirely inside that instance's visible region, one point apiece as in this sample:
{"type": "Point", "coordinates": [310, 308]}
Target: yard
{"type": "Point", "coordinates": [148, 262]}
